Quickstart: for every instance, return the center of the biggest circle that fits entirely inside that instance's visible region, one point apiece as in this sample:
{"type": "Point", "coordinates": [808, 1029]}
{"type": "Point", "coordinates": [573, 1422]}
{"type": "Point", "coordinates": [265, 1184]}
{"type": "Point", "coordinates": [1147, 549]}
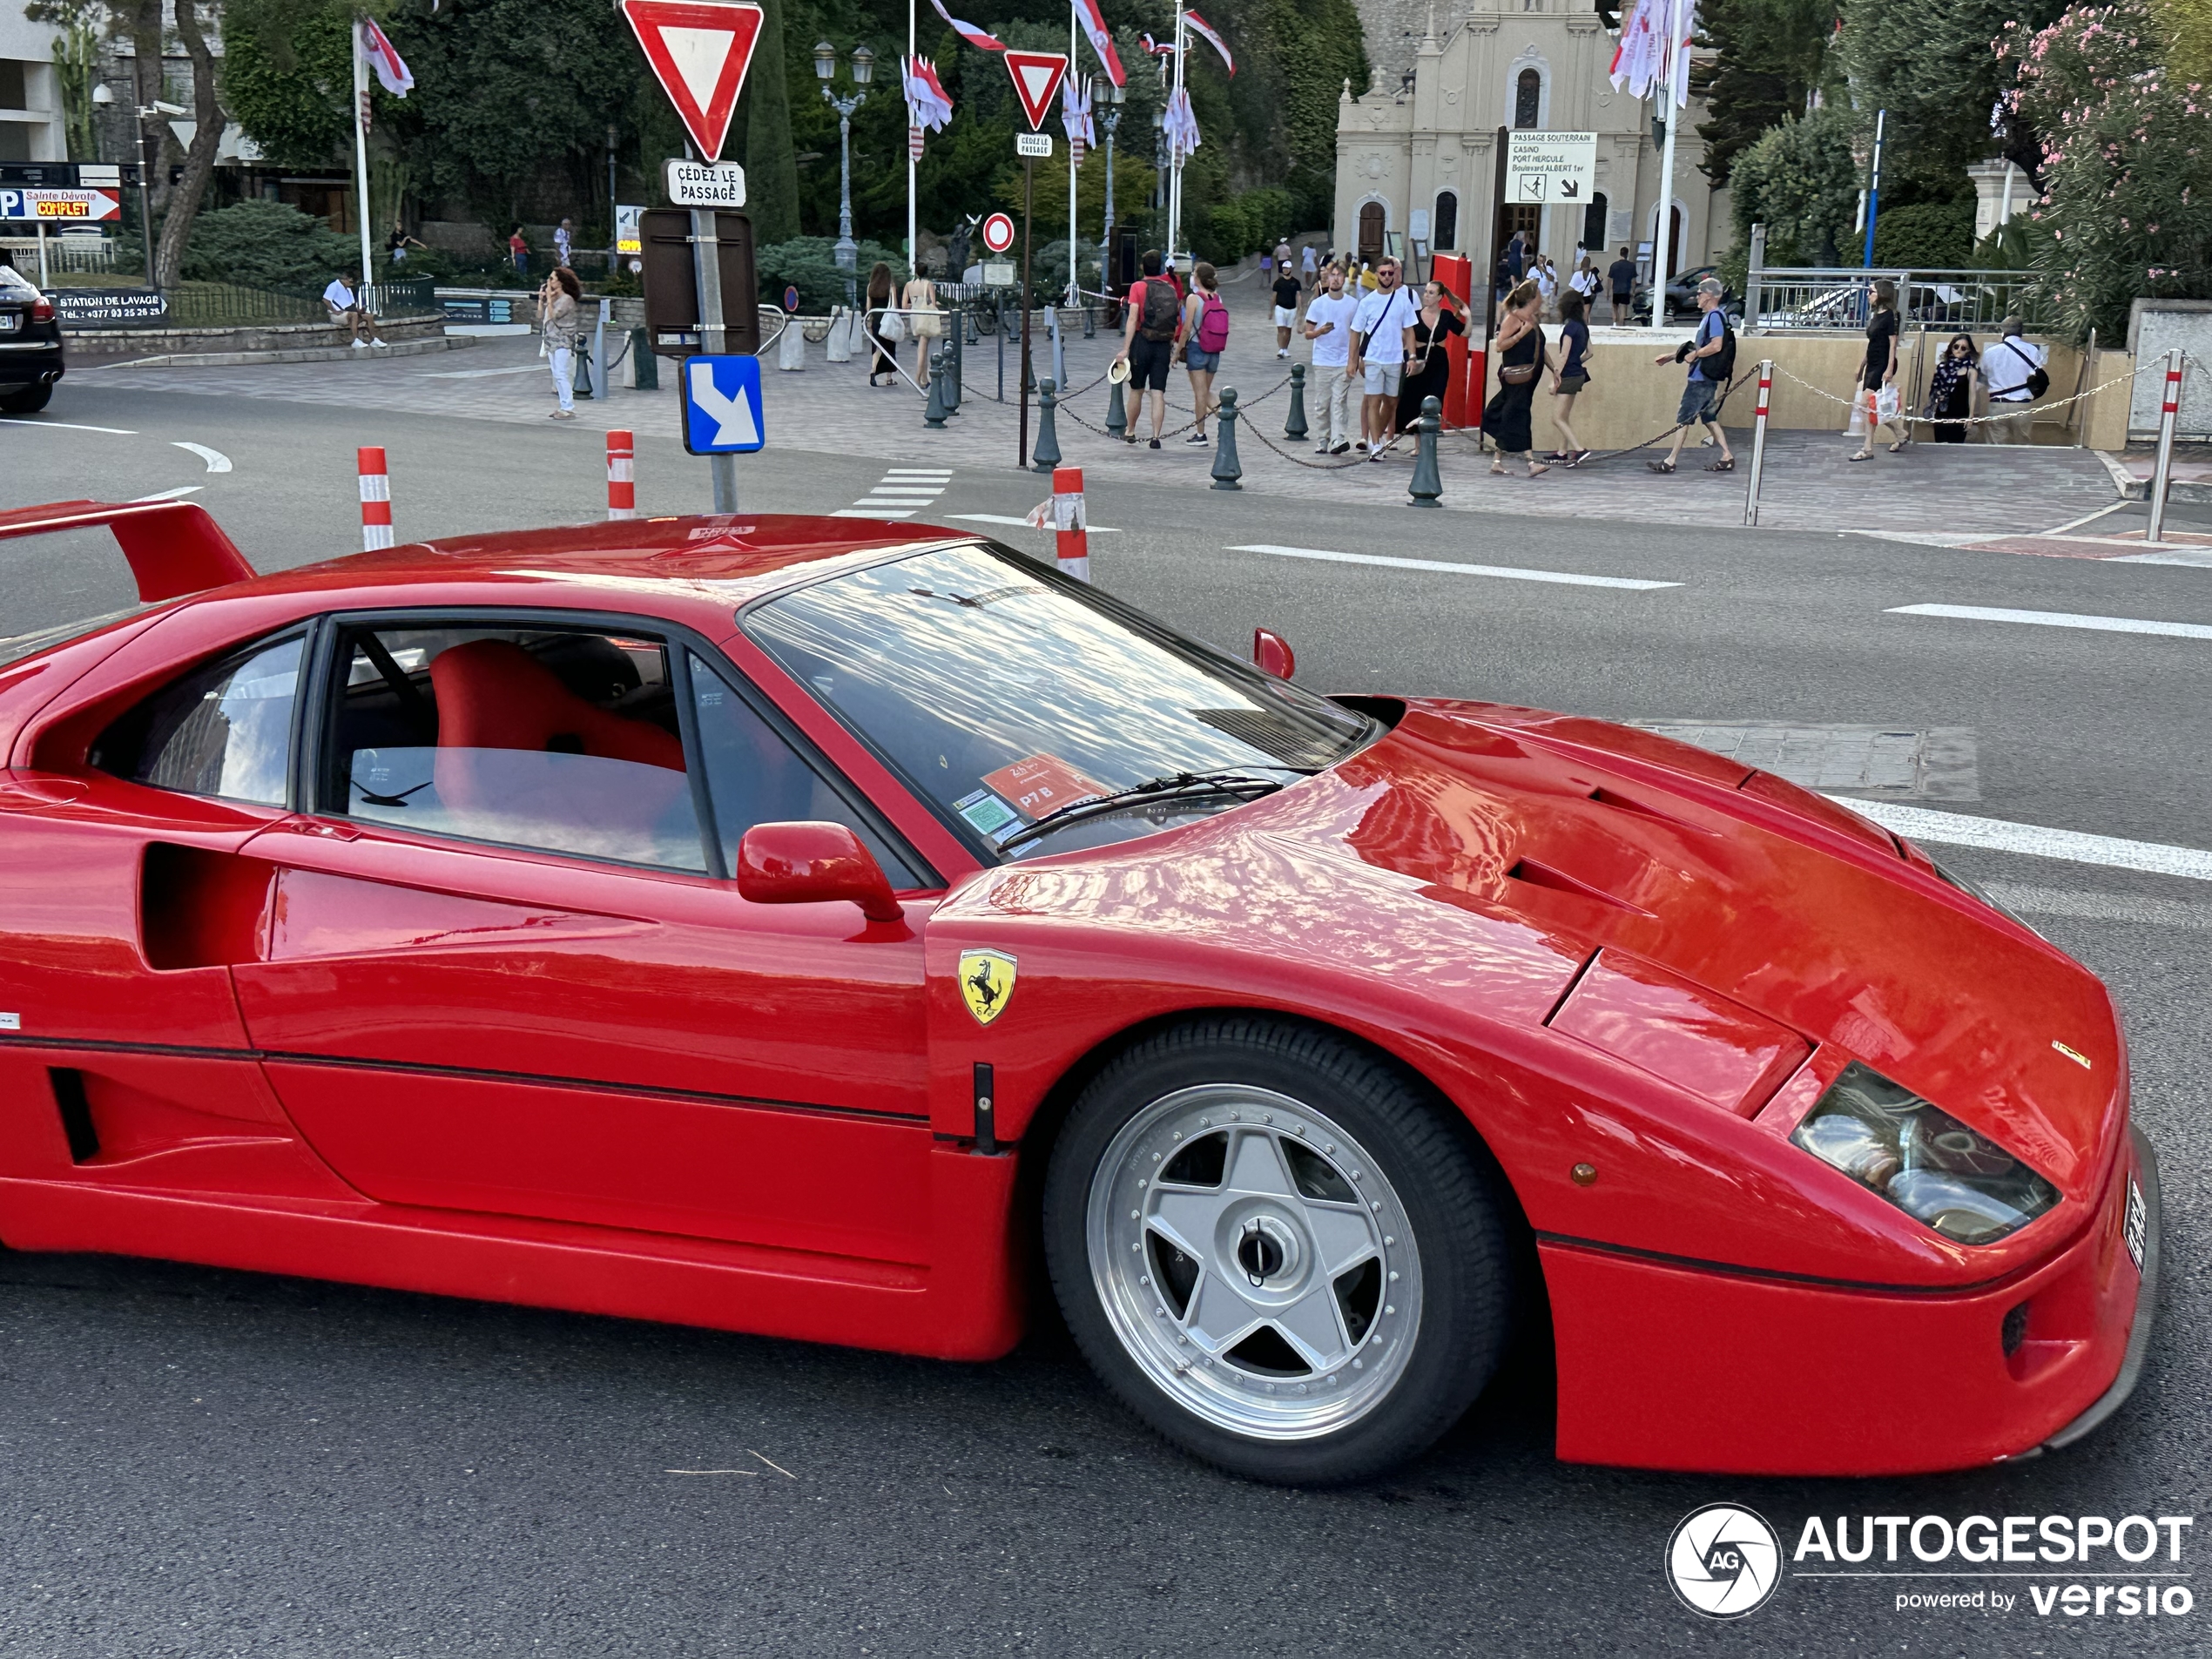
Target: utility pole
{"type": "Point", "coordinates": [1874, 188]}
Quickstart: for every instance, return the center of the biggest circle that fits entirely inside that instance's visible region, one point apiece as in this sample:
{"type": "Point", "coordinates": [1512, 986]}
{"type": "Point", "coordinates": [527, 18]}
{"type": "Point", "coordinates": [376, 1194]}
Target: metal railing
{"type": "Point", "coordinates": [1812, 299]}
{"type": "Point", "coordinates": [65, 255]}
{"type": "Point", "coordinates": [407, 297]}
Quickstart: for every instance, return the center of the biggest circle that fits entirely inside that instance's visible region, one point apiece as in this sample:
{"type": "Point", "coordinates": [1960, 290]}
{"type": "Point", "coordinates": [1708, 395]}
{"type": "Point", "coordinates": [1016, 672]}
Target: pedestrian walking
{"type": "Point", "coordinates": [1148, 340]}
{"type": "Point", "coordinates": [1501, 280]}
{"type": "Point", "coordinates": [396, 244]}
{"type": "Point", "coordinates": [1517, 255]}
{"type": "Point", "coordinates": [1336, 391]}
{"type": "Point", "coordinates": [1951, 393]}
{"type": "Point", "coordinates": [1547, 275]}
{"type": "Point", "coordinates": [1382, 333]}
{"type": "Point", "coordinates": [1206, 336]}
{"type": "Point", "coordinates": [1585, 281]}
{"type": "Point", "coordinates": [557, 311]}
{"type": "Point", "coordinates": [2010, 368]}
{"type": "Point", "coordinates": [346, 307]}
{"type": "Point", "coordinates": [564, 242]}
{"type": "Point", "coordinates": [1307, 269]}
{"type": "Point", "coordinates": [1429, 368]}
{"type": "Point", "coordinates": [1282, 256]}
{"type": "Point", "coordinates": [925, 321]}
{"type": "Point", "coordinates": [1520, 354]}
{"type": "Point", "coordinates": [1288, 292]}
{"type": "Point", "coordinates": [1572, 375]}
{"type": "Point", "coordinates": [878, 323]}
{"type": "Point", "coordinates": [1622, 274]}
{"type": "Point", "coordinates": [518, 251]}
{"type": "Point", "coordinates": [1711, 357]}
{"type": "Point", "coordinates": [1879, 375]}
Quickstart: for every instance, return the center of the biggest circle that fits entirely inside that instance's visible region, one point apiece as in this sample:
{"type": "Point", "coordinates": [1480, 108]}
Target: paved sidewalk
{"type": "Point", "coordinates": [1943, 495]}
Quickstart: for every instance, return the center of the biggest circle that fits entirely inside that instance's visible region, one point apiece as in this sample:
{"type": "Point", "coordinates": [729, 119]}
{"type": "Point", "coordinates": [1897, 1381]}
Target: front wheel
{"type": "Point", "coordinates": [1277, 1250]}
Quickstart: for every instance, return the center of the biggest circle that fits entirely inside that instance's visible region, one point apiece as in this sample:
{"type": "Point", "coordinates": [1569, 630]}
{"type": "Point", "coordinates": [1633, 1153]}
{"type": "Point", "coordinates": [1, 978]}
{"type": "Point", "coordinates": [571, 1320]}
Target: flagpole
{"type": "Point", "coordinates": [913, 247]}
{"type": "Point", "coordinates": [1075, 287]}
{"type": "Point", "coordinates": [361, 151]}
{"type": "Point", "coordinates": [1677, 88]}
{"type": "Point", "coordinates": [1175, 152]}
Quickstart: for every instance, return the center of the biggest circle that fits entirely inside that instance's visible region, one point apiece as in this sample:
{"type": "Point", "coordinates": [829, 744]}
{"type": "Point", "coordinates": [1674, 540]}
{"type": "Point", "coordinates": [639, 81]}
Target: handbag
{"type": "Point", "coordinates": [1517, 373]}
{"type": "Point", "coordinates": [890, 328]}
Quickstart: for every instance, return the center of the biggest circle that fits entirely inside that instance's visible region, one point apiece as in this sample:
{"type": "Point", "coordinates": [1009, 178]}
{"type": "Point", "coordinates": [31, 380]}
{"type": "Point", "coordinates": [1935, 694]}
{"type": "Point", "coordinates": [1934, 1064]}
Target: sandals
{"type": "Point", "coordinates": [1863, 455]}
{"type": "Point", "coordinates": [1537, 469]}
{"type": "Point", "coordinates": [1898, 449]}
{"type": "Point", "coordinates": [1660, 466]}
{"type": "Point", "coordinates": [1726, 465]}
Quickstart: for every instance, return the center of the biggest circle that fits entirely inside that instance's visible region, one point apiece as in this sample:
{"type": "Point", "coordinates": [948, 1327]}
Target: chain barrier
{"type": "Point", "coordinates": [2037, 404]}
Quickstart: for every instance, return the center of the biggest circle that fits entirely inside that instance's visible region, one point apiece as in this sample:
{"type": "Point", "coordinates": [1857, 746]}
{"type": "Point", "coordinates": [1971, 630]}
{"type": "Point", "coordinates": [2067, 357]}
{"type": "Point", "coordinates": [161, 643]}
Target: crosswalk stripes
{"type": "Point", "coordinates": [900, 493]}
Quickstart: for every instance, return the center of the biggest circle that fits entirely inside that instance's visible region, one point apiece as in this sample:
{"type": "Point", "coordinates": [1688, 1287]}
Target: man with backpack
{"type": "Point", "coordinates": [1711, 357]}
{"type": "Point", "coordinates": [1155, 324]}
{"type": "Point", "coordinates": [2013, 369]}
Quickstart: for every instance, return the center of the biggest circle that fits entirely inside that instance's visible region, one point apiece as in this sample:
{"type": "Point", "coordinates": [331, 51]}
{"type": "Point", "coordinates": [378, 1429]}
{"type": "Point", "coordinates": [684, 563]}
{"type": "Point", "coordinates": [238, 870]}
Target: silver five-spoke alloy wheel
{"type": "Point", "coordinates": [1254, 1261]}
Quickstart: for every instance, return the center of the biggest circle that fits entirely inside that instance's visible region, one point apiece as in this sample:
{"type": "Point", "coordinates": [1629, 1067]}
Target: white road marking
{"type": "Point", "coordinates": [178, 493]}
{"type": "Point", "coordinates": [2000, 835]}
{"type": "Point", "coordinates": [866, 512]}
{"type": "Point", "coordinates": [2088, 518]}
{"type": "Point", "coordinates": [482, 373]}
{"type": "Point", "coordinates": [2057, 619]}
{"type": "Point", "coordinates": [1023, 524]}
{"type": "Point", "coordinates": [2101, 907]}
{"type": "Point", "coordinates": [216, 460]}
{"type": "Point", "coordinates": [919, 472]}
{"type": "Point", "coordinates": [64, 426]}
{"type": "Point", "coordinates": [1512, 573]}
{"type": "Point", "coordinates": [914, 492]}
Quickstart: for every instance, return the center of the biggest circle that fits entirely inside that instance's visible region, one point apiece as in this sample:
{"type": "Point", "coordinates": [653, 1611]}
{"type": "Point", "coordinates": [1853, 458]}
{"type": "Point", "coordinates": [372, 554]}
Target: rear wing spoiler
{"type": "Point", "coordinates": [174, 547]}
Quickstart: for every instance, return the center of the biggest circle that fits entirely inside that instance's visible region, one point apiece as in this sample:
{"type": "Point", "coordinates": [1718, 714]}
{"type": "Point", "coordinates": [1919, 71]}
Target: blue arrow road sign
{"type": "Point", "coordinates": [722, 414]}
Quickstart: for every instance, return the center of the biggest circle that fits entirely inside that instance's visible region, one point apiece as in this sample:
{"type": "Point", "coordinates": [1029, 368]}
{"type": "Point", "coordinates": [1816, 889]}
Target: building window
{"type": "Point", "coordinates": [1528, 91]}
{"type": "Point", "coordinates": [14, 85]}
{"type": "Point", "coordinates": [1593, 221]}
{"type": "Point", "coordinates": [1448, 219]}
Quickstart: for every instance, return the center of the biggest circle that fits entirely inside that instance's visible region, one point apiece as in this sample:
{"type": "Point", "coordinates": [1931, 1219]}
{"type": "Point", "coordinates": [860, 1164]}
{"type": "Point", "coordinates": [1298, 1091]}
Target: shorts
{"type": "Point", "coordinates": [1200, 363]}
{"type": "Point", "coordinates": [1148, 364]}
{"type": "Point", "coordinates": [1697, 403]}
{"type": "Point", "coordinates": [1570, 385]}
{"type": "Point", "coordinates": [1383, 378]}
{"type": "Point", "coordinates": [1287, 316]}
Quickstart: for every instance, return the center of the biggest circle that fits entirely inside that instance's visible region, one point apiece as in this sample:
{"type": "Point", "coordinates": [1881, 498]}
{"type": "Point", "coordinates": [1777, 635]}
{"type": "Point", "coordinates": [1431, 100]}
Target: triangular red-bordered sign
{"type": "Point", "coordinates": [699, 50]}
{"type": "Point", "coordinates": [1036, 81]}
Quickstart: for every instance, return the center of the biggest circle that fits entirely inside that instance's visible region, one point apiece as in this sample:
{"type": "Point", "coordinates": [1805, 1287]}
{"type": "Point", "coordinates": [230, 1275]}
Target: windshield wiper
{"type": "Point", "coordinates": [1177, 786]}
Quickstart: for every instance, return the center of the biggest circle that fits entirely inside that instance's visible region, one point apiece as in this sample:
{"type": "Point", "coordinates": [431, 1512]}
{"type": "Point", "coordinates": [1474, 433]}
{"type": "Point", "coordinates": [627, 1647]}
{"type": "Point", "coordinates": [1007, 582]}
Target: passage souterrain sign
{"type": "Point", "coordinates": [1551, 166]}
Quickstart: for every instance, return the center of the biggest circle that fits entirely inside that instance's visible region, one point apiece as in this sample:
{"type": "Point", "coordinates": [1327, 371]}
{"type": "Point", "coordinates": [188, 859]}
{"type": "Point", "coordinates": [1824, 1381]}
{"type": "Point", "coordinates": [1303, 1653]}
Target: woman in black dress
{"type": "Point", "coordinates": [1880, 370]}
{"type": "Point", "coordinates": [1428, 372]}
{"type": "Point", "coordinates": [1519, 348]}
{"type": "Point", "coordinates": [886, 361]}
{"type": "Point", "coordinates": [1951, 394]}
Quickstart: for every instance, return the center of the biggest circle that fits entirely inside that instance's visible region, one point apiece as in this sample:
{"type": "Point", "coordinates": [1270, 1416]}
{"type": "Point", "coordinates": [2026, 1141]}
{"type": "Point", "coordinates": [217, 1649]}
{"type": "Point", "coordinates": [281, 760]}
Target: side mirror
{"type": "Point", "coordinates": [1271, 654]}
{"type": "Point", "coordinates": [813, 863]}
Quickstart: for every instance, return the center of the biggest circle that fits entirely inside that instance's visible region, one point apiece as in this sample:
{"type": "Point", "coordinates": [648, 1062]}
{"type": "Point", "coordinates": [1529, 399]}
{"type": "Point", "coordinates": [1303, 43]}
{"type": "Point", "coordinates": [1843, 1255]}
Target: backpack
{"type": "Point", "coordinates": [2038, 382]}
{"type": "Point", "coordinates": [1157, 319]}
{"type": "Point", "coordinates": [1721, 366]}
{"type": "Point", "coordinates": [1213, 324]}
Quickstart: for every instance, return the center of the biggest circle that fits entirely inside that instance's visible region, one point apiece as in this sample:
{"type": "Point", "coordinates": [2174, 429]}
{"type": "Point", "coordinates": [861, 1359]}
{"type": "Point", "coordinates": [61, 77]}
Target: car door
{"type": "Point", "coordinates": [506, 971]}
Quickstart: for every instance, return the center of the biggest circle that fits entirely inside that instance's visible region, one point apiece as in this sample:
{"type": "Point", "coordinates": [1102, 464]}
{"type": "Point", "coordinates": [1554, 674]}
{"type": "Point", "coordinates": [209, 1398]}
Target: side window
{"type": "Point", "coordinates": [225, 730]}
{"type": "Point", "coordinates": [754, 777]}
{"type": "Point", "coordinates": [563, 740]}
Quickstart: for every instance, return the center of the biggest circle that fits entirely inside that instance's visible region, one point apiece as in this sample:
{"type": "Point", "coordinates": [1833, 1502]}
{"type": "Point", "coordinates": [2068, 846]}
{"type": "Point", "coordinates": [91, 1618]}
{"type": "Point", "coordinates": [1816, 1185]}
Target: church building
{"type": "Point", "coordinates": [1416, 152]}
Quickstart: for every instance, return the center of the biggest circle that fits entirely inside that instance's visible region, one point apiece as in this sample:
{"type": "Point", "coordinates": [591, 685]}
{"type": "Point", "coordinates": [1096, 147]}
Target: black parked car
{"type": "Point", "coordinates": [1682, 296]}
{"type": "Point", "coordinates": [31, 344]}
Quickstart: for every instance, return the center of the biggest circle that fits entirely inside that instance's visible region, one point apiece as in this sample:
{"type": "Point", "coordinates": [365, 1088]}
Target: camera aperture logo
{"type": "Point", "coordinates": [1725, 1561]}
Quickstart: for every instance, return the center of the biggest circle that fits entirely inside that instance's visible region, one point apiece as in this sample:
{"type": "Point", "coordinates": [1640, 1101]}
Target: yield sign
{"type": "Point", "coordinates": [700, 49]}
{"type": "Point", "coordinates": [1036, 80]}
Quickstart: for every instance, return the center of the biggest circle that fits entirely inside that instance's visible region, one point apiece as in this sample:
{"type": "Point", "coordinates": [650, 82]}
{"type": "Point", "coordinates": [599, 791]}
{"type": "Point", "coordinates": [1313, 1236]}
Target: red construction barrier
{"type": "Point", "coordinates": [1069, 519]}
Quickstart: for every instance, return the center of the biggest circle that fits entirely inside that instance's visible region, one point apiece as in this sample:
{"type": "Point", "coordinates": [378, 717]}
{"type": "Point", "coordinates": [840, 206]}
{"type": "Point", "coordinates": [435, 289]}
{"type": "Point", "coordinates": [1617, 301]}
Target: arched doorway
{"type": "Point", "coordinates": [1448, 220]}
{"type": "Point", "coordinates": [1527, 96]}
{"type": "Point", "coordinates": [1593, 222]}
{"type": "Point", "coordinates": [1676, 263]}
{"type": "Point", "coordinates": [1370, 232]}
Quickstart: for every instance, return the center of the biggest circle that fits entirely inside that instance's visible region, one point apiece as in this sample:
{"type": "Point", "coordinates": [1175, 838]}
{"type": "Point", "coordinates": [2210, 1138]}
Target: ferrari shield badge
{"type": "Point", "coordinates": [986, 983]}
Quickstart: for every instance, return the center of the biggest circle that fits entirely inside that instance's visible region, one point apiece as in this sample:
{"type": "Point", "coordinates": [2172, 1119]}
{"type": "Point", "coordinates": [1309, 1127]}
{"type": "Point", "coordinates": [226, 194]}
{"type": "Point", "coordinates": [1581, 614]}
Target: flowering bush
{"type": "Point", "coordinates": [2126, 169]}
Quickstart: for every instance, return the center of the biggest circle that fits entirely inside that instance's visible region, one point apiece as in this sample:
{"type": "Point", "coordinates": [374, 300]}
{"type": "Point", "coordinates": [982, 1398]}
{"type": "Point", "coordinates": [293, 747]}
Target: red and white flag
{"type": "Point", "coordinates": [927, 107]}
{"type": "Point", "coordinates": [1643, 56]}
{"type": "Point", "coordinates": [395, 75]}
{"type": "Point", "coordinates": [1074, 118]}
{"type": "Point", "coordinates": [968, 32]}
{"type": "Point", "coordinates": [1207, 32]}
{"type": "Point", "coordinates": [1180, 124]}
{"type": "Point", "coordinates": [1152, 48]}
{"type": "Point", "coordinates": [1088, 14]}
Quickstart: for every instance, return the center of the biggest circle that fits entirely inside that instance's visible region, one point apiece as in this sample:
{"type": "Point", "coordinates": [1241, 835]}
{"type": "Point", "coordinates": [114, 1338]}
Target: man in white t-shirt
{"type": "Point", "coordinates": [1328, 324]}
{"type": "Point", "coordinates": [1383, 328]}
{"type": "Point", "coordinates": [345, 307]}
{"type": "Point", "coordinates": [2005, 368]}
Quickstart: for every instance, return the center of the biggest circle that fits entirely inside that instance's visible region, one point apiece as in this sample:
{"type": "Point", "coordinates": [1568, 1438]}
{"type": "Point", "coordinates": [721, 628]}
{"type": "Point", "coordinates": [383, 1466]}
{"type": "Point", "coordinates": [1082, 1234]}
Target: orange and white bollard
{"type": "Point", "coordinates": [622, 476]}
{"type": "Point", "coordinates": [1070, 521]}
{"type": "Point", "coordinates": [376, 499]}
{"type": "Point", "coordinates": [2162, 474]}
{"type": "Point", "coordinates": [1758, 442]}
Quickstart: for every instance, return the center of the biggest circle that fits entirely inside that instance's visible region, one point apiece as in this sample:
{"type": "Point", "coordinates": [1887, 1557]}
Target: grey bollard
{"type": "Point", "coordinates": [953, 358]}
{"type": "Point", "coordinates": [935, 414]}
{"type": "Point", "coordinates": [1045, 455]}
{"type": "Point", "coordinates": [644, 368]}
{"type": "Point", "coordinates": [790, 347]}
{"type": "Point", "coordinates": [1427, 483]}
{"type": "Point", "coordinates": [1226, 472]}
{"type": "Point", "coordinates": [1295, 427]}
{"type": "Point", "coordinates": [1116, 408]}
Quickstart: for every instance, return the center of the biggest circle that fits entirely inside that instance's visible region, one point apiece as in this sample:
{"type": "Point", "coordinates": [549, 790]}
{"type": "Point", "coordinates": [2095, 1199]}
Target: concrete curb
{"type": "Point", "coordinates": [2191, 492]}
{"type": "Point", "coordinates": [298, 354]}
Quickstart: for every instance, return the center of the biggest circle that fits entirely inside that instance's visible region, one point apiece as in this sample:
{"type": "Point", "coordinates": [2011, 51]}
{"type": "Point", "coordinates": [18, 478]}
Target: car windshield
{"type": "Point", "coordinates": [1004, 696]}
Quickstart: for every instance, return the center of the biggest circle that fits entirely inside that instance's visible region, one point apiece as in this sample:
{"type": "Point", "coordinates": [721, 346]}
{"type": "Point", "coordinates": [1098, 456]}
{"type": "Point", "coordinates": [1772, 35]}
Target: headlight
{"type": "Point", "coordinates": [1922, 1159]}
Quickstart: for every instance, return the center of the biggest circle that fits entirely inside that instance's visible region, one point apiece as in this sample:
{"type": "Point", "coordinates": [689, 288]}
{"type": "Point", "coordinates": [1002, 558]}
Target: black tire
{"type": "Point", "coordinates": [26, 400]}
{"type": "Point", "coordinates": [1441, 1177]}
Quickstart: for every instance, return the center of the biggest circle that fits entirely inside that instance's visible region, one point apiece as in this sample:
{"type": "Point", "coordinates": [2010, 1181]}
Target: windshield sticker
{"type": "Point", "coordinates": [990, 815]}
{"type": "Point", "coordinates": [1041, 785]}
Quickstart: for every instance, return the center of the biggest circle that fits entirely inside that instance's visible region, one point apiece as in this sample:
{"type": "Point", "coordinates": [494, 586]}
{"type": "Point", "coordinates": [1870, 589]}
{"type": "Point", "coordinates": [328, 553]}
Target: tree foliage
{"type": "Point", "coordinates": [1926, 235]}
{"type": "Point", "coordinates": [266, 244]}
{"type": "Point", "coordinates": [1799, 181]}
{"type": "Point", "coordinates": [2127, 205]}
{"type": "Point", "coordinates": [288, 69]}
{"type": "Point", "coordinates": [1771, 56]}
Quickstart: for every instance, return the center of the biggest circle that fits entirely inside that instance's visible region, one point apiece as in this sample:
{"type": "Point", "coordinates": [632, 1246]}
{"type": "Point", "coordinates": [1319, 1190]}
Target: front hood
{"type": "Point", "coordinates": [1601, 836]}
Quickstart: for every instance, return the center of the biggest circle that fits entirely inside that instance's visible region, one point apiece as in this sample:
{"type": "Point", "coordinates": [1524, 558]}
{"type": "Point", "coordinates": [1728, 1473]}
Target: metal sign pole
{"type": "Point", "coordinates": [1028, 194]}
{"type": "Point", "coordinates": [706, 263]}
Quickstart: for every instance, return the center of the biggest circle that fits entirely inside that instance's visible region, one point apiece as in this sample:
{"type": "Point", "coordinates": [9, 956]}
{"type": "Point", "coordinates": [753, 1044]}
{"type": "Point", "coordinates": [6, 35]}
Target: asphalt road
{"type": "Point", "coordinates": [197, 1462]}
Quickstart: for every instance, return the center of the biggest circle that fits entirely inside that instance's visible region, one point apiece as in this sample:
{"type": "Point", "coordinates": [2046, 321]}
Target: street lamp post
{"type": "Point", "coordinates": [847, 250]}
{"type": "Point", "coordinates": [1159, 160]}
{"type": "Point", "coordinates": [1115, 96]}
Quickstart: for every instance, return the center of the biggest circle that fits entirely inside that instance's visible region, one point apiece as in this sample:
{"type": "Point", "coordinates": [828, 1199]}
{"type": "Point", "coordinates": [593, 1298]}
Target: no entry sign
{"type": "Point", "coordinates": [998, 233]}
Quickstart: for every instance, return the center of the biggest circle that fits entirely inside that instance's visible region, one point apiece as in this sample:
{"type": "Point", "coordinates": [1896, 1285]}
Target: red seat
{"type": "Point", "coordinates": [495, 695]}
